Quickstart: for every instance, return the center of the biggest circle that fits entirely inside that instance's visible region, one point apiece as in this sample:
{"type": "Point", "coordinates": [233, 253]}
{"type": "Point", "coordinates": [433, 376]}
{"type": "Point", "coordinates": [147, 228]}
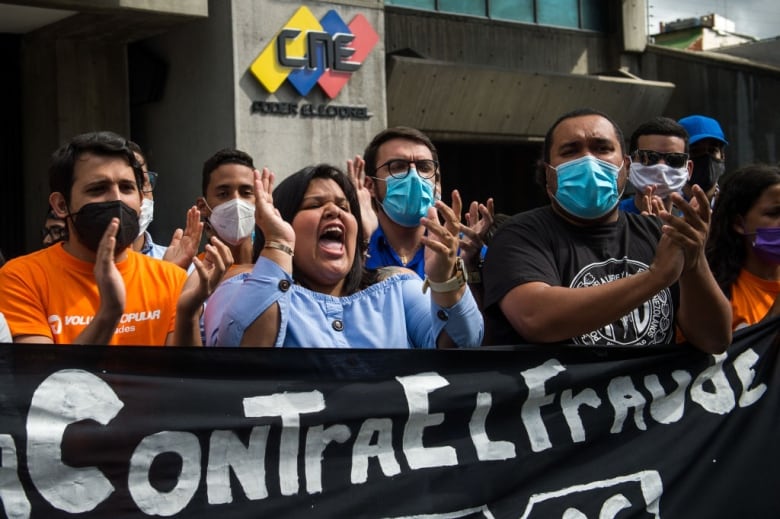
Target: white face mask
{"type": "Point", "coordinates": [667, 179]}
{"type": "Point", "coordinates": [233, 221]}
{"type": "Point", "coordinates": [147, 215]}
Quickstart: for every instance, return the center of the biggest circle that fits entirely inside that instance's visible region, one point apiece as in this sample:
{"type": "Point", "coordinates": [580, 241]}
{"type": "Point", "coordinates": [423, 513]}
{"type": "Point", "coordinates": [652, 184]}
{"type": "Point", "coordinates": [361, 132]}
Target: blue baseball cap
{"type": "Point", "coordinates": [702, 127]}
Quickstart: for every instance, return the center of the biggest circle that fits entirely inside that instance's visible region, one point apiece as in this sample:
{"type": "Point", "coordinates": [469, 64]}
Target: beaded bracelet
{"type": "Point", "coordinates": [278, 246]}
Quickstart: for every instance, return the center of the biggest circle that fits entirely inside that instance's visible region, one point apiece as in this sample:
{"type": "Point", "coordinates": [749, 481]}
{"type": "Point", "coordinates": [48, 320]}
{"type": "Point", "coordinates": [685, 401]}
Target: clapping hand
{"type": "Point", "coordinates": [270, 221]}
{"type": "Point", "coordinates": [473, 234]}
{"type": "Point", "coordinates": [184, 244]}
{"type": "Point", "coordinates": [357, 174]}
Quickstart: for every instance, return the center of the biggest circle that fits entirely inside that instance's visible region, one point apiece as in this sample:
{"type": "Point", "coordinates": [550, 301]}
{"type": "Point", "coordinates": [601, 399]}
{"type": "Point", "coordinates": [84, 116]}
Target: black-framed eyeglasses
{"type": "Point", "coordinates": [650, 158]}
{"type": "Point", "coordinates": [55, 232]}
{"type": "Point", "coordinates": [399, 168]}
{"type": "Point", "coordinates": [149, 186]}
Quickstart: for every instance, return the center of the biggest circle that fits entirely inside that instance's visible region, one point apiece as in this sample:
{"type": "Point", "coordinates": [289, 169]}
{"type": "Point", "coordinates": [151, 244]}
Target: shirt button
{"type": "Point", "coordinates": [284, 285]}
{"type": "Point", "coordinates": [338, 325]}
{"type": "Point", "coordinates": [441, 314]}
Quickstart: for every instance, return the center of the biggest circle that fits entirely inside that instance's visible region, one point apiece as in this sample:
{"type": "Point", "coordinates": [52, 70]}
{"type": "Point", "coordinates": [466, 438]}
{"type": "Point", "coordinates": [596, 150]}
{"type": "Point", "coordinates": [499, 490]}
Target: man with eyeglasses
{"type": "Point", "coordinates": [402, 174]}
{"type": "Point", "coordinates": [184, 244]}
{"type": "Point", "coordinates": [54, 229]}
{"type": "Point", "coordinates": [707, 145]}
{"type": "Point", "coordinates": [659, 164]}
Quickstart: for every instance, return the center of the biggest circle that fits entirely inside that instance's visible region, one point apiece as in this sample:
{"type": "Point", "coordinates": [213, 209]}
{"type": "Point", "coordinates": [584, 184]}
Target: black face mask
{"type": "Point", "coordinates": [93, 219]}
{"type": "Point", "coordinates": [706, 171]}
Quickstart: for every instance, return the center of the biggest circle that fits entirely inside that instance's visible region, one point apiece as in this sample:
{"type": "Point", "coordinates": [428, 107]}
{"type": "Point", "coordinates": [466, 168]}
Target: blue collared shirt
{"type": "Point", "coordinates": [629, 206]}
{"type": "Point", "coordinates": [393, 313]}
{"type": "Point", "coordinates": [381, 254]}
{"type": "Point", "coordinates": [151, 249]}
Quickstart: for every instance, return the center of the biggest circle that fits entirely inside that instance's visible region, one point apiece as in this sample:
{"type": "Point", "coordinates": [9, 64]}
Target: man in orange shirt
{"type": "Point", "coordinates": [92, 288]}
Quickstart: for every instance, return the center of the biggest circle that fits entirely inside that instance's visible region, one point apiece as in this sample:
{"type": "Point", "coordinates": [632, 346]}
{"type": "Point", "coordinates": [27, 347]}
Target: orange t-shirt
{"type": "Point", "coordinates": [53, 294]}
{"type": "Point", "coordinates": [751, 299]}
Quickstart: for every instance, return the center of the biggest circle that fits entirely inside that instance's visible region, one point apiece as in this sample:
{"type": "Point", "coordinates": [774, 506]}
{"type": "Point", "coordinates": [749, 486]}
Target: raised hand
{"type": "Point", "coordinates": [473, 234]}
{"type": "Point", "coordinates": [207, 276]}
{"type": "Point", "coordinates": [689, 231]}
{"type": "Point", "coordinates": [441, 242]}
{"type": "Point", "coordinates": [649, 203]}
{"type": "Point", "coordinates": [111, 286]}
{"type": "Point", "coordinates": [357, 174]}
{"type": "Point", "coordinates": [184, 244]}
{"type": "Point", "coordinates": [270, 222]}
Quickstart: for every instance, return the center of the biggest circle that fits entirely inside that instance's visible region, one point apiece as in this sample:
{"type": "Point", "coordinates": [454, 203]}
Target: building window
{"type": "Point", "coordinates": [575, 14]}
{"type": "Point", "coordinates": [516, 10]}
{"type": "Point", "coordinates": [562, 13]}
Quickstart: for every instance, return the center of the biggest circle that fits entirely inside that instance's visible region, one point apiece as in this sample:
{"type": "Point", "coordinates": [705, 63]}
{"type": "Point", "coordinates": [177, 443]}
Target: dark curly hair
{"type": "Point", "coordinates": [738, 194]}
{"type": "Point", "coordinates": [224, 156]}
{"type": "Point", "coordinates": [288, 196]}
{"type": "Point", "coordinates": [102, 144]}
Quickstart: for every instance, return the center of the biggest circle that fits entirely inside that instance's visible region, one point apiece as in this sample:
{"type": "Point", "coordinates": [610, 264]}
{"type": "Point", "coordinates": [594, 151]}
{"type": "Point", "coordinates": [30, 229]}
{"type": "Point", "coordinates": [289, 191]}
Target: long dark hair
{"type": "Point", "coordinates": [738, 194]}
{"type": "Point", "coordinates": [288, 196]}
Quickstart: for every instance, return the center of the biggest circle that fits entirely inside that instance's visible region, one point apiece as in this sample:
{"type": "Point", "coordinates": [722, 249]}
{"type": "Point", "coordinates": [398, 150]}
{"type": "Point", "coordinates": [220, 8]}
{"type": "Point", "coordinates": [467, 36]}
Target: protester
{"type": "Point", "coordinates": [707, 145]}
{"type": "Point", "coordinates": [580, 271]}
{"type": "Point", "coordinates": [309, 288]}
{"type": "Point", "coordinates": [240, 271]}
{"type": "Point", "coordinates": [54, 229]}
{"type": "Point", "coordinates": [184, 243]}
{"type": "Point", "coordinates": [659, 164]}
{"type": "Point", "coordinates": [402, 173]}
{"type": "Point", "coordinates": [228, 201]}
{"type": "Point", "coordinates": [92, 288]}
{"type": "Point", "coordinates": [744, 243]}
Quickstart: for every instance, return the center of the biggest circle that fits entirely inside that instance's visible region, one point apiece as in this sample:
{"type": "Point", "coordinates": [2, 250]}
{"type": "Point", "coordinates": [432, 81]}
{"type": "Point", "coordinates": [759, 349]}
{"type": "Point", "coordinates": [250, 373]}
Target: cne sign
{"type": "Point", "coordinates": [307, 52]}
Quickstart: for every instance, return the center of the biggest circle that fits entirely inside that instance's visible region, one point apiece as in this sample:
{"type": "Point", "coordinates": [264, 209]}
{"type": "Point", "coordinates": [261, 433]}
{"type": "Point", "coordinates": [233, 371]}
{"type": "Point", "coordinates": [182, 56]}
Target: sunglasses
{"type": "Point", "coordinates": [650, 158]}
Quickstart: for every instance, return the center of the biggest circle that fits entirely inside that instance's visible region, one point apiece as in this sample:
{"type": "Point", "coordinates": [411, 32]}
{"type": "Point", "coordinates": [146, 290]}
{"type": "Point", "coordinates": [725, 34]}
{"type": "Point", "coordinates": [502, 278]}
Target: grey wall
{"type": "Point", "coordinates": [288, 143]}
{"type": "Point", "coordinates": [478, 41]}
{"type": "Point", "coordinates": [193, 118]}
{"type": "Point", "coordinates": [741, 95]}
{"type": "Point", "coordinates": [208, 95]}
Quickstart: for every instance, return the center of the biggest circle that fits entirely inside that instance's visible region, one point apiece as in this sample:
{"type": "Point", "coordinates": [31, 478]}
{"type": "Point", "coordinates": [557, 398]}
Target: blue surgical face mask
{"type": "Point", "coordinates": [587, 187]}
{"type": "Point", "coordinates": [408, 199]}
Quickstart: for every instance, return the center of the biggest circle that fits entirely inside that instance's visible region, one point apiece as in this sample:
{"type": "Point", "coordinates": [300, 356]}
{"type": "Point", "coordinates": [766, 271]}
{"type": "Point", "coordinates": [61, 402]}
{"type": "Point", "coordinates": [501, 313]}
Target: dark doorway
{"type": "Point", "coordinates": [504, 171]}
{"type": "Point", "coordinates": [12, 193]}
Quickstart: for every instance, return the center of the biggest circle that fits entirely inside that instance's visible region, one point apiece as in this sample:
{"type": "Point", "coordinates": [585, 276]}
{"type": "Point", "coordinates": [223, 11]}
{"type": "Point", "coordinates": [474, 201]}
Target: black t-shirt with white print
{"type": "Point", "coordinates": [539, 245]}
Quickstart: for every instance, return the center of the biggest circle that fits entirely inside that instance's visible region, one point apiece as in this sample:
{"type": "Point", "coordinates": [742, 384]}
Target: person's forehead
{"type": "Point", "coordinates": [707, 142]}
{"type": "Point", "coordinates": [322, 187]}
{"type": "Point", "coordinates": [231, 175]}
{"type": "Point", "coordinates": [583, 127]}
{"type": "Point", "coordinates": [770, 197]}
{"type": "Point", "coordinates": [89, 167]}
{"type": "Point", "coordinates": [662, 143]}
{"type": "Point", "coordinates": [403, 148]}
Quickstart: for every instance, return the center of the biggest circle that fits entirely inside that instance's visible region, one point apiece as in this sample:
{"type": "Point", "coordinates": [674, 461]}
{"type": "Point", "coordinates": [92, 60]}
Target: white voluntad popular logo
{"type": "Point", "coordinates": [56, 324]}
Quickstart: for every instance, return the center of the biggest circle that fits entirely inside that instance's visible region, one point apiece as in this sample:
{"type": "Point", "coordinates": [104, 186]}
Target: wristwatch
{"type": "Point", "coordinates": [460, 278]}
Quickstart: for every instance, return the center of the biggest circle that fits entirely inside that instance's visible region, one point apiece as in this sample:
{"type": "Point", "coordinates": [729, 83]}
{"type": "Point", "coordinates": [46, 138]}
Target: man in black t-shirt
{"type": "Point", "coordinates": [580, 271]}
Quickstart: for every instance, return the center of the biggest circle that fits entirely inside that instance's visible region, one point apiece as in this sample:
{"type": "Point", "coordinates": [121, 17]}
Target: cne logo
{"type": "Point", "coordinates": [308, 52]}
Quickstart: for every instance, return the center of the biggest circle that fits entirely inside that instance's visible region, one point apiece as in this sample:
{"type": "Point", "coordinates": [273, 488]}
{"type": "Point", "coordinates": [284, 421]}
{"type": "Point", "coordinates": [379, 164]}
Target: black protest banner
{"type": "Point", "coordinates": [529, 432]}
